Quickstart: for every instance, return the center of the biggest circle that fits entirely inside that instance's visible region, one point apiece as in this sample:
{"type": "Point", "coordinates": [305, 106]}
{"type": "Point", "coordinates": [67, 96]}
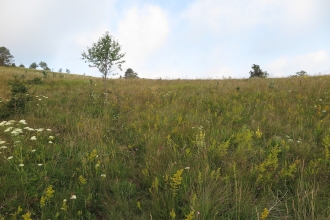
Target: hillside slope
{"type": "Point", "coordinates": [176, 149]}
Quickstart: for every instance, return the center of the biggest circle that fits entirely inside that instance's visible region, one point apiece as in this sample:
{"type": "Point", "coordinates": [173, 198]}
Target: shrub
{"type": "Point", "coordinates": [19, 97]}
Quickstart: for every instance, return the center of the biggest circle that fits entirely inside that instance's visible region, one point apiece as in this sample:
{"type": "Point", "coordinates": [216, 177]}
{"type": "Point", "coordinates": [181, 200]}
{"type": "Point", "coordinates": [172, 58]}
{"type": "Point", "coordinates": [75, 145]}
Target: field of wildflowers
{"type": "Point", "coordinates": [166, 149]}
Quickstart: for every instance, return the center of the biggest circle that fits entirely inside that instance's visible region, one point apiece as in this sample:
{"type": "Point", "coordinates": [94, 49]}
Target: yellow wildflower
{"type": "Point", "coordinates": [82, 180]}
{"type": "Point", "coordinates": [258, 133]}
{"type": "Point", "coordinates": [264, 214]}
{"type": "Point", "coordinates": [176, 181]}
{"type": "Point", "coordinates": [190, 216]}
{"type": "Point", "coordinates": [172, 214]}
{"type": "Point", "coordinates": [27, 216]}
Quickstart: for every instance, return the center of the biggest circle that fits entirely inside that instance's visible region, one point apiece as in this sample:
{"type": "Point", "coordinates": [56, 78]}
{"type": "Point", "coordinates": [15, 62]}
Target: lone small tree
{"type": "Point", "coordinates": [33, 65]}
{"type": "Point", "coordinates": [301, 73]}
{"type": "Point", "coordinates": [6, 59]}
{"type": "Point", "coordinates": [257, 72]}
{"type": "Point", "coordinates": [43, 65]}
{"type": "Point", "coordinates": [105, 54]}
{"type": "Point", "coordinates": [130, 74]}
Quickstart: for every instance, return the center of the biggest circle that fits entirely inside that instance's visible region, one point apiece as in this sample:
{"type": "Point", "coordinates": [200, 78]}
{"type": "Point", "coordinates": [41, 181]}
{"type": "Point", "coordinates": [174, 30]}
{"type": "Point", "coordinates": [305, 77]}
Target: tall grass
{"type": "Point", "coordinates": [167, 149]}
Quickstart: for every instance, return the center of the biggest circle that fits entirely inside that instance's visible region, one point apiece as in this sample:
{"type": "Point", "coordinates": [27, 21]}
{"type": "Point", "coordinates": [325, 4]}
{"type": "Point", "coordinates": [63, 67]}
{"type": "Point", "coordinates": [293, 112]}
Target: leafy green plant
{"type": "Point", "coordinates": [19, 97]}
{"type": "Point", "coordinates": [104, 55]}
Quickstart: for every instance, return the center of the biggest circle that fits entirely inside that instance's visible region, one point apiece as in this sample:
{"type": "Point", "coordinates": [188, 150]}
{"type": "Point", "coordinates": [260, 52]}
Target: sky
{"type": "Point", "coordinates": [170, 39]}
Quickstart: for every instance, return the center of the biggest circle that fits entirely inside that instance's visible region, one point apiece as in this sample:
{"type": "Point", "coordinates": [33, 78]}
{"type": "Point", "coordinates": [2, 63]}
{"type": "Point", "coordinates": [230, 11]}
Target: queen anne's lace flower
{"type": "Point", "coordinates": [22, 122]}
{"type": "Point", "coordinates": [3, 123]}
{"type": "Point", "coordinates": [8, 129]}
{"type": "Point", "coordinates": [17, 131]}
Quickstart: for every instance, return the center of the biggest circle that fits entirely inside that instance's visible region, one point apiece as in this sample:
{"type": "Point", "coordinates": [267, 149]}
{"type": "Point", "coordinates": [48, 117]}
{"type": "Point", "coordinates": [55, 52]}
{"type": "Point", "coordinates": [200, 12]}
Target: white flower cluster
{"type": "Point", "coordinates": [16, 131]}
{"type": "Point", "coordinates": [1, 145]}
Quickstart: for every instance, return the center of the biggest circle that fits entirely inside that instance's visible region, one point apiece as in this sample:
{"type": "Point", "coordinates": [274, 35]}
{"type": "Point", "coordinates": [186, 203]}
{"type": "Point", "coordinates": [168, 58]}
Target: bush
{"type": "Point", "coordinates": [19, 98]}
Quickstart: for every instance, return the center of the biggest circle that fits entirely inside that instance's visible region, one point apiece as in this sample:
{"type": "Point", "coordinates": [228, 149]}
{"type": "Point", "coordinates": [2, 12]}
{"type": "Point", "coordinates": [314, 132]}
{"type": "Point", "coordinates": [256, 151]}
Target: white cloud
{"type": "Point", "coordinates": [142, 32]}
{"type": "Point", "coordinates": [53, 31]}
{"type": "Point", "coordinates": [235, 15]}
{"type": "Point", "coordinates": [312, 63]}
{"type": "Point", "coordinates": [217, 15]}
{"type": "Point", "coordinates": [186, 39]}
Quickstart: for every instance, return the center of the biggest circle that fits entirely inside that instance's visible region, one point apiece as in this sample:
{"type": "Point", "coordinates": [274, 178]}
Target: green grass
{"type": "Point", "coordinates": [167, 149]}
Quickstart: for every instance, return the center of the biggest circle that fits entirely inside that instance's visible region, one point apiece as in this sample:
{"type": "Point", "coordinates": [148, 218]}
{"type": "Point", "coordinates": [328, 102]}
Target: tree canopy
{"type": "Point", "coordinates": [257, 72]}
{"type": "Point", "coordinates": [6, 59]}
{"type": "Point", "coordinates": [301, 73]}
{"type": "Point", "coordinates": [33, 65]}
{"type": "Point", "coordinates": [43, 65]}
{"type": "Point", "coordinates": [129, 74]}
{"type": "Point", "coordinates": [105, 54]}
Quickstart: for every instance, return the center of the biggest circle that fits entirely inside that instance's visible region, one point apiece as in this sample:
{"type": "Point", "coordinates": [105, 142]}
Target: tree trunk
{"type": "Point", "coordinates": [105, 87]}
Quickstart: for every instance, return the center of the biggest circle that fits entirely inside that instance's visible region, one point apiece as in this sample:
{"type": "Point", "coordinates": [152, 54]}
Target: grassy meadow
{"type": "Point", "coordinates": [165, 149]}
